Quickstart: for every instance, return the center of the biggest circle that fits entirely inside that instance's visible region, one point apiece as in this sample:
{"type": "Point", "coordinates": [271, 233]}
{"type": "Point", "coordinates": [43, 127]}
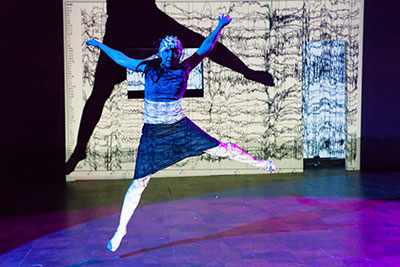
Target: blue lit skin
{"type": "Point", "coordinates": [170, 57]}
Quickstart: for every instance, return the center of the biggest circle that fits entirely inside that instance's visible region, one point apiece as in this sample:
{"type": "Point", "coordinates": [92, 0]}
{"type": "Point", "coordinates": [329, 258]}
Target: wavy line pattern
{"type": "Point", "coordinates": [324, 99]}
{"type": "Point", "coordinates": [266, 35]}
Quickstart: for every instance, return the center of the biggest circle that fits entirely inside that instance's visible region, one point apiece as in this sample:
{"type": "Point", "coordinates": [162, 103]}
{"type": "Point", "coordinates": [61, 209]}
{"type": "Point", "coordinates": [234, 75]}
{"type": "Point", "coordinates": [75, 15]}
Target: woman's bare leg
{"type": "Point", "coordinates": [132, 198]}
{"type": "Point", "coordinates": [234, 152]}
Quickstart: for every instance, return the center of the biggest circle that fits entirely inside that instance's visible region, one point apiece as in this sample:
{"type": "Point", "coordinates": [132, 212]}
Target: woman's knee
{"type": "Point", "coordinates": [218, 151]}
{"type": "Point", "coordinates": [138, 185]}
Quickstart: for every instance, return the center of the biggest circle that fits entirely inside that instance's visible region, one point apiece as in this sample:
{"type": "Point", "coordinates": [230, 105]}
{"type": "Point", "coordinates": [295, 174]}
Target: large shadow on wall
{"type": "Point", "coordinates": [140, 24]}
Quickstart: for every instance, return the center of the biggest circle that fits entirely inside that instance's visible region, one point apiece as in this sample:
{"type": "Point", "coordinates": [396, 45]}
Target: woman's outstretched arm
{"type": "Point", "coordinates": [119, 57]}
{"type": "Point", "coordinates": [208, 44]}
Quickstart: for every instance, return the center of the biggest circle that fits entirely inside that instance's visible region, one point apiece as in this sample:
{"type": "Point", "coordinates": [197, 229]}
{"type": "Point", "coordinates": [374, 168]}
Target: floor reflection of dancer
{"type": "Point", "coordinates": [138, 24]}
{"type": "Point", "coordinates": [168, 136]}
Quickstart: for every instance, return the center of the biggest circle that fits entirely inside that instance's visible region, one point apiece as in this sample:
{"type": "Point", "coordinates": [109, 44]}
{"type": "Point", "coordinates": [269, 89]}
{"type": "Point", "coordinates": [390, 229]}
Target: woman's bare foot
{"type": "Point", "coordinates": [115, 241]}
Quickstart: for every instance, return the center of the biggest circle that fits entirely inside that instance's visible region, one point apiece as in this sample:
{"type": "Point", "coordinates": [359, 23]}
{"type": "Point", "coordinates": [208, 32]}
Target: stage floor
{"type": "Point", "coordinates": [319, 218]}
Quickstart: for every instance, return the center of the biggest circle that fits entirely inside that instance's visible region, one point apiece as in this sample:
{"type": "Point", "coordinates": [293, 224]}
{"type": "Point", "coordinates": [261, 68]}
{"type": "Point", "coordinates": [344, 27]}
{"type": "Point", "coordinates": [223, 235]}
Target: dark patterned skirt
{"type": "Point", "coordinates": [162, 145]}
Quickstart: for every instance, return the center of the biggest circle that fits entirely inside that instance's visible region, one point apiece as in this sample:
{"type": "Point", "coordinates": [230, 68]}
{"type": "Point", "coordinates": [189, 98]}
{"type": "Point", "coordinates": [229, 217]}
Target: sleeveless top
{"type": "Point", "coordinates": [164, 90]}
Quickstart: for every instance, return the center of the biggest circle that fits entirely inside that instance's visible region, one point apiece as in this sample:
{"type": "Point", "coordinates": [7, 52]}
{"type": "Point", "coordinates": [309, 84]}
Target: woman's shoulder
{"type": "Point", "coordinates": [151, 64]}
{"type": "Point", "coordinates": [151, 68]}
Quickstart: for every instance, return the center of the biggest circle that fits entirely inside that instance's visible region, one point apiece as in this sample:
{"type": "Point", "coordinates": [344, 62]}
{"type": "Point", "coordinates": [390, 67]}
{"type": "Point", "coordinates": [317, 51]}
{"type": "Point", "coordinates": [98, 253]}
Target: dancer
{"type": "Point", "coordinates": [125, 31]}
{"type": "Point", "coordinates": [168, 136]}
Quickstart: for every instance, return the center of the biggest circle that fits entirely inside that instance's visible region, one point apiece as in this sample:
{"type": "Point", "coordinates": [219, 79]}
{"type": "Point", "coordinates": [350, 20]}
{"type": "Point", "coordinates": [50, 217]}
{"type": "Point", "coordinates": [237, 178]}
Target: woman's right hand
{"type": "Point", "coordinates": [93, 42]}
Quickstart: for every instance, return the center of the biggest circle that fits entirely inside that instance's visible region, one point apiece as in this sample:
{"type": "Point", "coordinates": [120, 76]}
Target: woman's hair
{"type": "Point", "coordinates": [170, 42]}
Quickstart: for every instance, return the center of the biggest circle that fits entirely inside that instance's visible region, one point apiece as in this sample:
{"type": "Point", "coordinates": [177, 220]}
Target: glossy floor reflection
{"type": "Point", "coordinates": [318, 219]}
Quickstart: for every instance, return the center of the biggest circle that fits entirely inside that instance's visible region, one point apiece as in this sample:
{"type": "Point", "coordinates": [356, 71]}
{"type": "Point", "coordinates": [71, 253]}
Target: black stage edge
{"type": "Point", "coordinates": [380, 123]}
{"type": "Point", "coordinates": [31, 94]}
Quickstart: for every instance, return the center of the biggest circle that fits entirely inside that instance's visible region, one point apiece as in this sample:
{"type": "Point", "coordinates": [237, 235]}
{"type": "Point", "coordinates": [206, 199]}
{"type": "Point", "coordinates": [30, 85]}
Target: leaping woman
{"type": "Point", "coordinates": [168, 136]}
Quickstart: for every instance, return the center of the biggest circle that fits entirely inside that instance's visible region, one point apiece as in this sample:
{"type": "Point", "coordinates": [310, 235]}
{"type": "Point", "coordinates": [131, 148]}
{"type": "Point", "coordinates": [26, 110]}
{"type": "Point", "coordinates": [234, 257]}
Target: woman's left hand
{"type": "Point", "coordinates": [93, 42]}
{"type": "Point", "coordinates": [224, 20]}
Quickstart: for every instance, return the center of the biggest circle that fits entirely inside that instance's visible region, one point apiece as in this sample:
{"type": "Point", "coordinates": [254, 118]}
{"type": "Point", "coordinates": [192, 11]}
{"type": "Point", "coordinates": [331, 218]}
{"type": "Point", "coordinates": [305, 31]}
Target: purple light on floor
{"type": "Point", "coordinates": [255, 231]}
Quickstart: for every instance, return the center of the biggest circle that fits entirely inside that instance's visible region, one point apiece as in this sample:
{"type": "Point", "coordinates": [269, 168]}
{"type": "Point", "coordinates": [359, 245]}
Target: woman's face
{"type": "Point", "coordinates": [170, 57]}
